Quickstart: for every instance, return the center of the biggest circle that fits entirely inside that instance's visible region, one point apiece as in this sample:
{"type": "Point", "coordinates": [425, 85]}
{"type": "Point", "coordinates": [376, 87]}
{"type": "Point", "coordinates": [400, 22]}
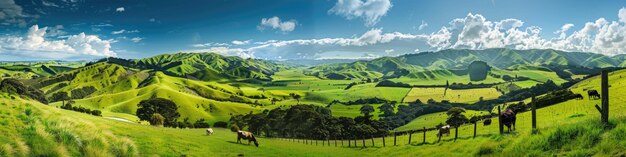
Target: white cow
{"type": "Point", "coordinates": [209, 131]}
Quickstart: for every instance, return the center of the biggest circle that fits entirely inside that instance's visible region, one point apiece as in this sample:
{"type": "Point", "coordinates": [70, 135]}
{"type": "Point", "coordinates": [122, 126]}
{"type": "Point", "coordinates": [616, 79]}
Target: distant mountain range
{"type": "Point", "coordinates": [460, 58]}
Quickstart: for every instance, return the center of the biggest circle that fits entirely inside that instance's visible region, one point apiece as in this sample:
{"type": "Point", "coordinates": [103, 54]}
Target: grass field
{"type": "Point", "coordinates": [434, 119]}
{"type": "Point", "coordinates": [452, 95]}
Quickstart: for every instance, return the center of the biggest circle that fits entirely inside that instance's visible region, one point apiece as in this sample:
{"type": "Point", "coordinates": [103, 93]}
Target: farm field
{"type": "Point", "coordinates": [452, 95]}
{"type": "Point", "coordinates": [554, 121]}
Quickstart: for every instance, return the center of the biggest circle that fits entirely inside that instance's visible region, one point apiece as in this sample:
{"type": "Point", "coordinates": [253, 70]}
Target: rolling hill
{"type": "Point", "coordinates": [412, 64]}
{"type": "Point", "coordinates": [203, 66]}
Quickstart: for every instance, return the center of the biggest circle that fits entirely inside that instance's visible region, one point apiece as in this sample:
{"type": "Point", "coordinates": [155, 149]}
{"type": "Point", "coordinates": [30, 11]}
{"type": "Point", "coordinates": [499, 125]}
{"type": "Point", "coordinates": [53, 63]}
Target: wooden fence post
{"type": "Point", "coordinates": [342, 141]}
{"type": "Point", "coordinates": [534, 115]}
{"type": "Point", "coordinates": [500, 121]}
{"type": "Point", "coordinates": [604, 111]}
{"type": "Point", "coordinates": [424, 141]}
{"type": "Point", "coordinates": [394, 138]}
{"type": "Point", "coordinates": [323, 142]}
{"type": "Point", "coordinates": [315, 141]}
{"type": "Point", "coordinates": [475, 129]}
{"type": "Point", "coordinates": [355, 140]}
{"type": "Point", "coordinates": [410, 134]}
{"type": "Point", "coordinates": [335, 140]}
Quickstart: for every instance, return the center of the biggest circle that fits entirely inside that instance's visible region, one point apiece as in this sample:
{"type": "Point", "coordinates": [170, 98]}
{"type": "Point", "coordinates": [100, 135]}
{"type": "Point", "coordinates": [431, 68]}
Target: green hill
{"type": "Point", "coordinates": [204, 66]}
{"type": "Point", "coordinates": [407, 65]}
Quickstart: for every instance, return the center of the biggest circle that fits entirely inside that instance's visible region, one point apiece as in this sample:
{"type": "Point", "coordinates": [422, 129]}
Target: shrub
{"type": "Point", "coordinates": [157, 119]}
{"type": "Point", "coordinates": [220, 124]}
{"type": "Point", "coordinates": [234, 128]}
{"type": "Point", "coordinates": [201, 124]}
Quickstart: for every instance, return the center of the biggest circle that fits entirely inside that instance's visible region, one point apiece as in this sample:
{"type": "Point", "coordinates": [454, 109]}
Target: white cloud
{"type": "Point", "coordinates": [473, 31]}
{"type": "Point", "coordinates": [125, 31]}
{"type": "Point", "coordinates": [56, 31]}
{"type": "Point", "coordinates": [276, 23]}
{"type": "Point", "coordinates": [239, 42]}
{"type": "Point", "coordinates": [136, 39]}
{"type": "Point", "coordinates": [423, 25]}
{"type": "Point", "coordinates": [35, 45]}
{"type": "Point", "coordinates": [370, 10]}
{"type": "Point", "coordinates": [225, 51]}
{"type": "Point", "coordinates": [210, 44]}
{"type": "Point", "coordinates": [120, 9]}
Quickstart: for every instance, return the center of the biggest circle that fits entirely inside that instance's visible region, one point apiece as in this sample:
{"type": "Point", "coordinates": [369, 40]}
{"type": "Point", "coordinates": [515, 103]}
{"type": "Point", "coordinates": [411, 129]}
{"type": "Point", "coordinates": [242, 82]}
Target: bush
{"type": "Point", "coordinates": [220, 124]}
{"type": "Point", "coordinates": [157, 119]}
{"type": "Point", "coordinates": [234, 128]}
{"type": "Point", "coordinates": [478, 70]}
{"type": "Point", "coordinates": [201, 124]}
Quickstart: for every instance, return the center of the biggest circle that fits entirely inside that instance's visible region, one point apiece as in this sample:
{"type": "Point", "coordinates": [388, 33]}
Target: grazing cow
{"type": "Point", "coordinates": [209, 131]}
{"type": "Point", "coordinates": [508, 119]}
{"type": "Point", "coordinates": [579, 97]}
{"type": "Point", "coordinates": [593, 94]}
{"type": "Point", "coordinates": [246, 136]}
{"type": "Point", "coordinates": [487, 122]}
{"type": "Point", "coordinates": [444, 130]}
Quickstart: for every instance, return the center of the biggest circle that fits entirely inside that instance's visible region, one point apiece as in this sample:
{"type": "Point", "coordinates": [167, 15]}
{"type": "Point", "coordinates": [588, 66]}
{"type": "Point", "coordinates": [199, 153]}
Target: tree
{"type": "Point", "coordinates": [60, 96]}
{"type": "Point", "coordinates": [478, 70]}
{"type": "Point", "coordinates": [367, 109]}
{"type": "Point", "coordinates": [157, 119]}
{"type": "Point", "coordinates": [456, 117]}
{"type": "Point", "coordinates": [387, 109]}
{"type": "Point", "coordinates": [164, 107]}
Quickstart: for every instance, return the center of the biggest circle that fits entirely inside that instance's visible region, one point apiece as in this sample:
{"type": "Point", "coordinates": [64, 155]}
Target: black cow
{"type": "Point", "coordinates": [508, 119]}
{"type": "Point", "coordinates": [593, 94]}
{"type": "Point", "coordinates": [487, 122]}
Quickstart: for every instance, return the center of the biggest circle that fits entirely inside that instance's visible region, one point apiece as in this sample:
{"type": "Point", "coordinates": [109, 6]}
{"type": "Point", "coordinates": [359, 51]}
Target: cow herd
{"type": "Point", "coordinates": [508, 118]}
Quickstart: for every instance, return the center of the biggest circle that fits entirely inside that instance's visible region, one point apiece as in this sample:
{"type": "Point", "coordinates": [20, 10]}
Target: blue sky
{"type": "Point", "coordinates": [290, 29]}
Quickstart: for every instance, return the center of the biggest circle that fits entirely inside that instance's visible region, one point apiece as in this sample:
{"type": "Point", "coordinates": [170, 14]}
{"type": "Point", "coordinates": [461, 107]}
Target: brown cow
{"type": "Point", "coordinates": [508, 119]}
{"type": "Point", "coordinates": [246, 136]}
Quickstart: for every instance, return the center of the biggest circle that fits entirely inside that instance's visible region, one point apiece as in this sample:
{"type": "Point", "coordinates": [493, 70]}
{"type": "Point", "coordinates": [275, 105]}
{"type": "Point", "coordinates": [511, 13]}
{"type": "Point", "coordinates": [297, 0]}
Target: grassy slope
{"type": "Point", "coordinates": [434, 119]}
{"type": "Point", "coordinates": [452, 95]}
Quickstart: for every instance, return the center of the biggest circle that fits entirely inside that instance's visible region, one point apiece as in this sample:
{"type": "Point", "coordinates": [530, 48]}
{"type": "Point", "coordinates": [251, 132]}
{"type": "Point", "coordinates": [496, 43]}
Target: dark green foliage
{"type": "Point", "coordinates": [308, 121]}
{"type": "Point", "coordinates": [201, 123]}
{"type": "Point", "coordinates": [59, 96]}
{"type": "Point", "coordinates": [478, 70]}
{"type": "Point", "coordinates": [166, 108]}
{"type": "Point", "coordinates": [234, 128]}
{"type": "Point", "coordinates": [220, 124]}
{"type": "Point", "coordinates": [373, 100]}
{"type": "Point", "coordinates": [82, 92]}
{"type": "Point", "coordinates": [366, 109]}
{"type": "Point", "coordinates": [456, 117]}
{"type": "Point", "coordinates": [14, 86]}
{"type": "Point", "coordinates": [69, 106]}
{"type": "Point", "coordinates": [387, 83]}
{"type": "Point", "coordinates": [387, 109]}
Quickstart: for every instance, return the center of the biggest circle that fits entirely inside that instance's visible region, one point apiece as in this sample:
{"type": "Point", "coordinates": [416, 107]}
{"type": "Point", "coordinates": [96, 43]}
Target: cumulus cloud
{"type": "Point", "coordinates": [276, 23]}
{"type": "Point", "coordinates": [371, 11]}
{"type": "Point", "coordinates": [35, 45]}
{"type": "Point", "coordinates": [120, 9]}
{"type": "Point", "coordinates": [474, 31]}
